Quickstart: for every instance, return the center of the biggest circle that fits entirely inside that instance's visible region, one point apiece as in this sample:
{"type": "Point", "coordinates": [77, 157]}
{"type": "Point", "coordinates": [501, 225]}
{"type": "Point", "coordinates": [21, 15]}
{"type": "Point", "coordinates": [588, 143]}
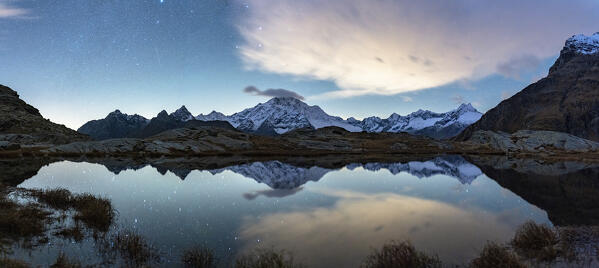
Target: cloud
{"type": "Point", "coordinates": [8, 11]}
{"type": "Point", "coordinates": [394, 46]}
{"type": "Point", "coordinates": [506, 94]}
{"type": "Point", "coordinates": [341, 228]}
{"type": "Point", "coordinates": [273, 93]}
{"type": "Point", "coordinates": [458, 99]}
{"type": "Point", "coordinates": [407, 99]}
{"type": "Point", "coordinates": [515, 67]}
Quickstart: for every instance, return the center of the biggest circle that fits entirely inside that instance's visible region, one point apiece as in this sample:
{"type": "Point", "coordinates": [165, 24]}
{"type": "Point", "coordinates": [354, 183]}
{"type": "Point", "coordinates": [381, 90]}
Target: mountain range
{"type": "Point", "coordinates": [280, 175]}
{"type": "Point", "coordinates": [120, 125]}
{"type": "Point", "coordinates": [279, 116]}
{"type": "Point", "coordinates": [567, 100]}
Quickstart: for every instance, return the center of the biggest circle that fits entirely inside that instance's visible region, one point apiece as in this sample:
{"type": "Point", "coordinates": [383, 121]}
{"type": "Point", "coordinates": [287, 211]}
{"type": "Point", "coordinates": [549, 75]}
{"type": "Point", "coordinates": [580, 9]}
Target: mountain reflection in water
{"type": "Point", "coordinates": [328, 212]}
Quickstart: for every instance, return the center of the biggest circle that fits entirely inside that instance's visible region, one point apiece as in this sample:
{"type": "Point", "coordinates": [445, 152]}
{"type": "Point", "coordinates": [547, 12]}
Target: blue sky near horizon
{"type": "Point", "coordinates": [79, 60]}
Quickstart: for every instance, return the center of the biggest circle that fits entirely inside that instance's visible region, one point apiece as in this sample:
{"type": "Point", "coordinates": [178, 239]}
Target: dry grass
{"type": "Point", "coordinates": [400, 254]}
{"type": "Point", "coordinates": [21, 221]}
{"type": "Point", "coordinates": [536, 241]}
{"type": "Point", "coordinates": [133, 248]}
{"type": "Point", "coordinates": [10, 263]}
{"type": "Point", "coordinates": [199, 257]}
{"type": "Point", "coordinates": [266, 258]}
{"type": "Point", "coordinates": [95, 212]}
{"type": "Point", "coordinates": [64, 262]}
{"type": "Point", "coordinates": [56, 198]}
{"type": "Point", "coordinates": [494, 255]}
{"type": "Point", "coordinates": [76, 233]}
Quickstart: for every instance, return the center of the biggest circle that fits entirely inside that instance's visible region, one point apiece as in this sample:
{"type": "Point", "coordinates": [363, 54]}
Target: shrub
{"type": "Point", "coordinates": [494, 255]}
{"type": "Point", "coordinates": [199, 257]}
{"type": "Point", "coordinates": [400, 254]}
{"type": "Point", "coordinates": [266, 258]}
{"type": "Point", "coordinates": [132, 247]}
{"type": "Point", "coordinates": [536, 241]}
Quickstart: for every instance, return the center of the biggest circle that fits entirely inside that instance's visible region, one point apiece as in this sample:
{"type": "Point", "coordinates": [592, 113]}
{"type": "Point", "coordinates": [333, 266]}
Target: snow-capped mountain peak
{"type": "Point", "coordinates": [285, 114]}
{"type": "Point", "coordinates": [182, 114]}
{"type": "Point", "coordinates": [423, 122]}
{"type": "Point", "coordinates": [584, 44]}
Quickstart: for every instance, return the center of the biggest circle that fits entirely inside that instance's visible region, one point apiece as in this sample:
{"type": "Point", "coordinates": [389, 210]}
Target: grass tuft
{"type": "Point", "coordinates": [64, 262]}
{"type": "Point", "coordinates": [76, 233]}
{"type": "Point", "coordinates": [199, 257]}
{"type": "Point", "coordinates": [21, 221]}
{"type": "Point", "coordinates": [54, 198]}
{"type": "Point", "coordinates": [132, 248]}
{"type": "Point", "coordinates": [94, 211]}
{"type": "Point", "coordinates": [10, 263]}
{"type": "Point", "coordinates": [494, 255]}
{"type": "Point", "coordinates": [266, 258]}
{"type": "Point", "coordinates": [400, 254]}
{"type": "Point", "coordinates": [536, 241]}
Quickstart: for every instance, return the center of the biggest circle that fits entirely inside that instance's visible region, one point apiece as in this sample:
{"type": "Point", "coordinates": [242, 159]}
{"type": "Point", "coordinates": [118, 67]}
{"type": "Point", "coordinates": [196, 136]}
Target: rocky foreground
{"type": "Point", "coordinates": [211, 141]}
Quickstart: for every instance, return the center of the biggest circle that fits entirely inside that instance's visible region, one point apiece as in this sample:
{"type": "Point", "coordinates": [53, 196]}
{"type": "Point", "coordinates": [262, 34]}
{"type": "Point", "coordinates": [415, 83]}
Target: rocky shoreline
{"type": "Point", "coordinates": [209, 141]}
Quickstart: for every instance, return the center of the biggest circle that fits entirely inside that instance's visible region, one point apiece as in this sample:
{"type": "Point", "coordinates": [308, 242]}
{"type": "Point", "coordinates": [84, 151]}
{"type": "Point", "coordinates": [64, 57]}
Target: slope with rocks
{"type": "Point", "coordinates": [21, 123]}
{"type": "Point", "coordinates": [567, 100]}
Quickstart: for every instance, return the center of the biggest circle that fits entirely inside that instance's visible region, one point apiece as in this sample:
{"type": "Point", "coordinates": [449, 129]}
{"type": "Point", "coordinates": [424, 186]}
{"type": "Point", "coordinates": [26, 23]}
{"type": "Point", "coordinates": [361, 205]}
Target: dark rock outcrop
{"type": "Point", "coordinates": [567, 100]}
{"type": "Point", "coordinates": [21, 123]}
{"type": "Point", "coordinates": [115, 125]}
{"type": "Point", "coordinates": [118, 125]}
{"type": "Point", "coordinates": [568, 191]}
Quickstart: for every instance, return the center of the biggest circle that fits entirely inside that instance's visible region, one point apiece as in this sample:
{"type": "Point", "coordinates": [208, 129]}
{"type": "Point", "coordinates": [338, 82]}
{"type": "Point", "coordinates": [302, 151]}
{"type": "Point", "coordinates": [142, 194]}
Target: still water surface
{"type": "Point", "coordinates": [326, 217]}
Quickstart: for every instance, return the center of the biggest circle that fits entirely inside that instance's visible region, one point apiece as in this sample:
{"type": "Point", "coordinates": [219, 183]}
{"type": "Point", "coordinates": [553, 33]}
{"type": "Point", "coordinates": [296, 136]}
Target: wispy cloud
{"type": "Point", "coordinates": [458, 99]}
{"type": "Point", "coordinates": [515, 67]}
{"type": "Point", "coordinates": [279, 92]}
{"type": "Point", "coordinates": [9, 11]}
{"type": "Point", "coordinates": [394, 46]}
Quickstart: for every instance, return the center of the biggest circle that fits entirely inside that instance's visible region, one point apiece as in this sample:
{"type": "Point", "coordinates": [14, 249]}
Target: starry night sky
{"type": "Point", "coordinates": [77, 60]}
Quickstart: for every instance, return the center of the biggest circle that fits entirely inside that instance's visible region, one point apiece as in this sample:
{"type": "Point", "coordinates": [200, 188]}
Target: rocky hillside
{"type": "Point", "coordinates": [567, 100]}
{"type": "Point", "coordinates": [21, 123]}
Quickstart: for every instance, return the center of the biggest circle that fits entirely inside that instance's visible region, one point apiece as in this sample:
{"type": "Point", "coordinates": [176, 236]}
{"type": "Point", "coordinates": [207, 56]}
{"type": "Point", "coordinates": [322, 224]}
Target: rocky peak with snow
{"type": "Point", "coordinates": [564, 101]}
{"type": "Point", "coordinates": [583, 44]}
{"type": "Point", "coordinates": [212, 116]}
{"type": "Point", "coordinates": [423, 122]}
{"type": "Point", "coordinates": [182, 114]}
{"type": "Point", "coordinates": [285, 114]}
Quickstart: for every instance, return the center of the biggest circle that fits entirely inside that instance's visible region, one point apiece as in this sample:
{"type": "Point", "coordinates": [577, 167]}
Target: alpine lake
{"type": "Point", "coordinates": [331, 213]}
